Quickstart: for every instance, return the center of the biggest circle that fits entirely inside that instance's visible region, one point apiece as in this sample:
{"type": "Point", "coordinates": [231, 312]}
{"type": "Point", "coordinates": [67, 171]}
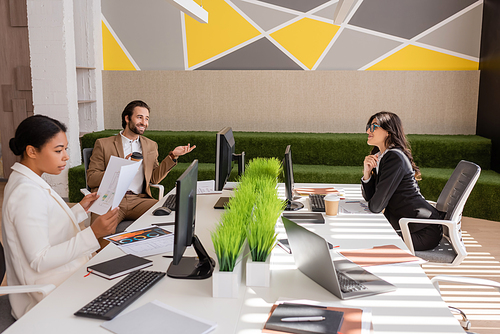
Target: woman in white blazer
{"type": "Point", "coordinates": [41, 236]}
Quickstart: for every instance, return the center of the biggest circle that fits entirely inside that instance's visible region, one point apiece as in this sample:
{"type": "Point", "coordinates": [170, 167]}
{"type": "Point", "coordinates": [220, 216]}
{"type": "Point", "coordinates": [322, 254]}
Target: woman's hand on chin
{"type": "Point", "coordinates": [369, 163]}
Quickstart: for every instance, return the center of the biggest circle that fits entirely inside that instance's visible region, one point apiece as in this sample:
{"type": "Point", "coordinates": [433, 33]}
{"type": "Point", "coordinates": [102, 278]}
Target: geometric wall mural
{"type": "Point", "coordinates": [293, 35]}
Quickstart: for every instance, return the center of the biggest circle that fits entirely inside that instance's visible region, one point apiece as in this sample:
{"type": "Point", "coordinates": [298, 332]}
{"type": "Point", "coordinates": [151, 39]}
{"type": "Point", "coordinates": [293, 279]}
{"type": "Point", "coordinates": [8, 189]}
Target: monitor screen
{"type": "Point", "coordinates": [202, 265]}
{"type": "Point", "coordinates": [185, 214]}
{"type": "Point", "coordinates": [288, 171]}
{"type": "Point", "coordinates": [223, 157]}
{"type": "Point", "coordinates": [289, 182]}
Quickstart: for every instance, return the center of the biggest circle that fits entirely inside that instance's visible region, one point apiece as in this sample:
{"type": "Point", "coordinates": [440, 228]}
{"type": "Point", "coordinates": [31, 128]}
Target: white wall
{"type": "Point", "coordinates": [54, 60]}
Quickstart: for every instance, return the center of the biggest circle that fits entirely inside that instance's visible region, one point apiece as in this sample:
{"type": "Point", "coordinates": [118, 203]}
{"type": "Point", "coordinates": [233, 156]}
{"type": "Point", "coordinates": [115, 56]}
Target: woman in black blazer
{"type": "Point", "coordinates": [390, 180]}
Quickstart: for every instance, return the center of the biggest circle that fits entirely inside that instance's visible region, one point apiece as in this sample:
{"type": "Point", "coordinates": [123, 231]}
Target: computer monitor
{"type": "Point", "coordinates": [184, 233]}
{"type": "Point", "coordinates": [289, 184]}
{"type": "Point", "coordinates": [224, 157]}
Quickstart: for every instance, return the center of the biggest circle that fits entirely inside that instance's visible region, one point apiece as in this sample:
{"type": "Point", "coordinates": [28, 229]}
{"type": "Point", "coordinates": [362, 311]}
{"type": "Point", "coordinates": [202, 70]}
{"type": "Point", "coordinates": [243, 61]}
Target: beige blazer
{"type": "Point", "coordinates": [104, 148]}
{"type": "Point", "coordinates": [42, 240]}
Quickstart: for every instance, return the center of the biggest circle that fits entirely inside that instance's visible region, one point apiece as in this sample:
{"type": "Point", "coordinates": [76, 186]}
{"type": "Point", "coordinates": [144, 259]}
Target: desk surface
{"type": "Point", "coordinates": [415, 307]}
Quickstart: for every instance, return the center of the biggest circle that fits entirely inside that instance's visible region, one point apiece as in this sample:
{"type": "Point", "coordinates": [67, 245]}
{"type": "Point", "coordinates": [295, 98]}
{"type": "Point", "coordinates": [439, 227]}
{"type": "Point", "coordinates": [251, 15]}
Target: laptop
{"type": "Point", "coordinates": [342, 277]}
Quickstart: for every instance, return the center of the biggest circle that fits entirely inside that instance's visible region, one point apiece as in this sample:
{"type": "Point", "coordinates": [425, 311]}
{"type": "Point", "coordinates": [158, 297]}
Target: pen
{"type": "Point", "coordinates": [302, 319]}
{"type": "Point", "coordinates": [163, 224]}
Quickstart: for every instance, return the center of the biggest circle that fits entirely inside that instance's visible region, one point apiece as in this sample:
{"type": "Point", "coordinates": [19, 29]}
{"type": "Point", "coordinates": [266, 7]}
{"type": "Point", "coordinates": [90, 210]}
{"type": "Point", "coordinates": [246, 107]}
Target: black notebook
{"type": "Point", "coordinates": [331, 324]}
{"type": "Point", "coordinates": [119, 266]}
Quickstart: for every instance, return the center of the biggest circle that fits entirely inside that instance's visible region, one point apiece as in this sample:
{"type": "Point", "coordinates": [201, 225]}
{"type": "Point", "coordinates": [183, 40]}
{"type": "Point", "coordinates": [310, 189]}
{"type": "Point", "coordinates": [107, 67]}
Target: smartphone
{"type": "Point", "coordinates": [283, 243]}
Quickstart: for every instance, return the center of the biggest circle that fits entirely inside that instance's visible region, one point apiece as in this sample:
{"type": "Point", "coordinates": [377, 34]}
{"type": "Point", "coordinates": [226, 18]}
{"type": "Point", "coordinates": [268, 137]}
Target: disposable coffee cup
{"type": "Point", "coordinates": [136, 156]}
{"type": "Point", "coordinates": [332, 205]}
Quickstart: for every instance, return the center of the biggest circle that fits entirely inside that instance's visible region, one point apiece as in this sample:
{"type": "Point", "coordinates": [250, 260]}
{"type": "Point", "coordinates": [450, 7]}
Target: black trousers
{"type": "Point", "coordinates": [426, 238]}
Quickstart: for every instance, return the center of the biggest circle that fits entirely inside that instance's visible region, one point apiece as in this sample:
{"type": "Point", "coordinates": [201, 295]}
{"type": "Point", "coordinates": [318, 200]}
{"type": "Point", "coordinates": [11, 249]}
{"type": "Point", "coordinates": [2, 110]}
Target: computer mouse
{"type": "Point", "coordinates": [162, 211]}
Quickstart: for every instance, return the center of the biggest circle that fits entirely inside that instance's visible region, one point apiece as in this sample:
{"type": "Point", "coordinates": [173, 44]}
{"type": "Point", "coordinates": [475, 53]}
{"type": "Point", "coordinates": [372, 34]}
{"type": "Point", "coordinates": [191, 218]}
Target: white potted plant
{"type": "Point", "coordinates": [229, 241]}
{"type": "Point", "coordinates": [261, 233]}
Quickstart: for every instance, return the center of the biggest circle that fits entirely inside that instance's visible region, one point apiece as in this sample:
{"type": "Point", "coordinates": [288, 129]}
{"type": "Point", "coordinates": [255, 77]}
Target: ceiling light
{"type": "Point", "coordinates": [192, 9]}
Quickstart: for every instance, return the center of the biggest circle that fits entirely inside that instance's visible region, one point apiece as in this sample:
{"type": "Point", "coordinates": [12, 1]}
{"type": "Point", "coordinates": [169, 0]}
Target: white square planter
{"type": "Point", "coordinates": [259, 273]}
{"type": "Point", "coordinates": [226, 284]}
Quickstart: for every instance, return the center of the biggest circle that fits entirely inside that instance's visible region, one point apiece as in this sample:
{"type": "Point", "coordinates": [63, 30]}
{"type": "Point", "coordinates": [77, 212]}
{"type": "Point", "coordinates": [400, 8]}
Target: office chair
{"type": "Point", "coordinates": [122, 226]}
{"type": "Point", "coordinates": [464, 322]}
{"type": "Point", "coordinates": [6, 318]}
{"type": "Point", "coordinates": [451, 249]}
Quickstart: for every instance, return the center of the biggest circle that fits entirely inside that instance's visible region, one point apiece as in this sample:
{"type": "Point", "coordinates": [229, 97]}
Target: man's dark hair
{"type": "Point", "coordinates": [129, 110]}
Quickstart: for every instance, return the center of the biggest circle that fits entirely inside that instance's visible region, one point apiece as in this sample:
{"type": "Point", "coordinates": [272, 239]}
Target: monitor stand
{"type": "Point", "coordinates": [221, 203]}
{"type": "Point", "coordinates": [293, 206]}
{"type": "Point", "coordinates": [200, 267]}
{"type": "Point", "coordinates": [240, 160]}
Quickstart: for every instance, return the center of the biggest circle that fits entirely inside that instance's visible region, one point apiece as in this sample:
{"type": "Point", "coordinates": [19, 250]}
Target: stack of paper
{"type": "Point", "coordinates": [388, 254]}
{"type": "Point", "coordinates": [354, 207]}
{"type": "Point", "coordinates": [144, 242]}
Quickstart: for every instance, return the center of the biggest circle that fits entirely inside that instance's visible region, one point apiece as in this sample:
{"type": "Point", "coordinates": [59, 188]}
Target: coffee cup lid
{"type": "Point", "coordinates": [136, 155]}
{"type": "Point", "coordinates": [332, 197]}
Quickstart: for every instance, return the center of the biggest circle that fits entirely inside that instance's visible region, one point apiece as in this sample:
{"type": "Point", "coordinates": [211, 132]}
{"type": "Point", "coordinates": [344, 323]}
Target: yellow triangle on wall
{"type": "Point", "coordinates": [306, 39]}
{"type": "Point", "coordinates": [225, 29]}
{"type": "Point", "coordinates": [113, 56]}
{"type": "Point", "coordinates": [414, 58]}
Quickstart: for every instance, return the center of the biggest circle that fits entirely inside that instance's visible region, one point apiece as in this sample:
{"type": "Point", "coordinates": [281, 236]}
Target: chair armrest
{"type": "Point", "coordinates": [463, 280]}
{"type": "Point", "coordinates": [43, 289]}
{"type": "Point", "coordinates": [160, 188]}
{"type": "Point", "coordinates": [84, 191]}
{"type": "Point", "coordinates": [403, 224]}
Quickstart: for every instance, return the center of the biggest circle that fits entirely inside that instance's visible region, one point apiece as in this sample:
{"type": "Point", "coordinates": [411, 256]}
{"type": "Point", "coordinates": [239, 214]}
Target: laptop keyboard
{"type": "Point", "coordinates": [317, 202]}
{"type": "Point", "coordinates": [349, 285]}
{"type": "Point", "coordinates": [170, 202]}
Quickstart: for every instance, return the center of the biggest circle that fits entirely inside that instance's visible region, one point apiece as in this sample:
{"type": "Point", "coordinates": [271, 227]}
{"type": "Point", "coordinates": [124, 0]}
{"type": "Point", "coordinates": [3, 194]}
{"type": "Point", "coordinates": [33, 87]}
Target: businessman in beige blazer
{"type": "Point", "coordinates": [138, 199]}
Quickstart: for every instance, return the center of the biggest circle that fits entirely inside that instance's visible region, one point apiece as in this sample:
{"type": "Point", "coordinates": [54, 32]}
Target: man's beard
{"type": "Point", "coordinates": [134, 129]}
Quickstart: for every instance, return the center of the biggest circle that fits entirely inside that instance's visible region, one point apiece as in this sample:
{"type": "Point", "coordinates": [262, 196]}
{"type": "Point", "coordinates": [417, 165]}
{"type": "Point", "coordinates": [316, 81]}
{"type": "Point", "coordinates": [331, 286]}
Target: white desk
{"type": "Point", "coordinates": [415, 307]}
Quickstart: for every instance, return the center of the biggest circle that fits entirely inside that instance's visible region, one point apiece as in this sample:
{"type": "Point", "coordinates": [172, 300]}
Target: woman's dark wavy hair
{"type": "Point", "coordinates": [391, 123]}
{"type": "Point", "coordinates": [36, 131]}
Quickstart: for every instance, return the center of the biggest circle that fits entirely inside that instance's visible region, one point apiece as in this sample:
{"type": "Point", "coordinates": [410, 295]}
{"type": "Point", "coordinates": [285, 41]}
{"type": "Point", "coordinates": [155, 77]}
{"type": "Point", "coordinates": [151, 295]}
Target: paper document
{"type": "Point", "coordinates": [144, 242]}
{"type": "Point", "coordinates": [319, 191]}
{"type": "Point", "coordinates": [230, 185]}
{"type": "Point", "coordinates": [354, 207]}
{"type": "Point", "coordinates": [157, 317]}
{"type": "Point", "coordinates": [117, 178]}
{"type": "Point", "coordinates": [375, 256]}
{"type": "Point", "coordinates": [206, 187]}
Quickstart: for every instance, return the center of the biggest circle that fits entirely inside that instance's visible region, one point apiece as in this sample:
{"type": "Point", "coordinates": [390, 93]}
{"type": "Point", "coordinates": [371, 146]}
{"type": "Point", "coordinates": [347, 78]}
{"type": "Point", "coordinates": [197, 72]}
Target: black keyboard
{"type": "Point", "coordinates": [348, 284]}
{"type": "Point", "coordinates": [117, 298]}
{"type": "Point", "coordinates": [317, 202]}
{"type": "Point", "coordinates": [170, 202]}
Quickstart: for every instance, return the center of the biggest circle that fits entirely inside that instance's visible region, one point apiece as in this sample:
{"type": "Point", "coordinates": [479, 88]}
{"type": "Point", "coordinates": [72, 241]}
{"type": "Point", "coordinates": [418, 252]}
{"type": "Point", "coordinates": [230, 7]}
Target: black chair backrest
{"type": "Point", "coordinates": [87, 153]}
{"type": "Point", "coordinates": [2, 263]}
{"type": "Point", "coordinates": [457, 187]}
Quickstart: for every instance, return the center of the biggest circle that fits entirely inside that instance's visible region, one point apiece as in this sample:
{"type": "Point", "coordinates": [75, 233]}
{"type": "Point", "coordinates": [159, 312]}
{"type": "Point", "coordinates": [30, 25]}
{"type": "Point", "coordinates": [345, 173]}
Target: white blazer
{"type": "Point", "coordinates": [42, 240]}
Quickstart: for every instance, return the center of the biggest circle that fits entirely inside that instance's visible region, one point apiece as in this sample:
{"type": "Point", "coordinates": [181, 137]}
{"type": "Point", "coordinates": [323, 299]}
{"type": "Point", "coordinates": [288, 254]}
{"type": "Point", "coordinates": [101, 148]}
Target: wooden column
{"type": "Point", "coordinates": [16, 99]}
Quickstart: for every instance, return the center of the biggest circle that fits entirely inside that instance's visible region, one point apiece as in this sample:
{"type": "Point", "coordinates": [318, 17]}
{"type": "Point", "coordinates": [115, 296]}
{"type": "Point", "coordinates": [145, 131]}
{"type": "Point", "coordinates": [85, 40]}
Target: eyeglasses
{"type": "Point", "coordinates": [372, 127]}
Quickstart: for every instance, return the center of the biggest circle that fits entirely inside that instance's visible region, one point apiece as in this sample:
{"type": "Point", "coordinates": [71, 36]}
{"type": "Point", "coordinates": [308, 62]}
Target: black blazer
{"type": "Point", "coordinates": [395, 189]}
